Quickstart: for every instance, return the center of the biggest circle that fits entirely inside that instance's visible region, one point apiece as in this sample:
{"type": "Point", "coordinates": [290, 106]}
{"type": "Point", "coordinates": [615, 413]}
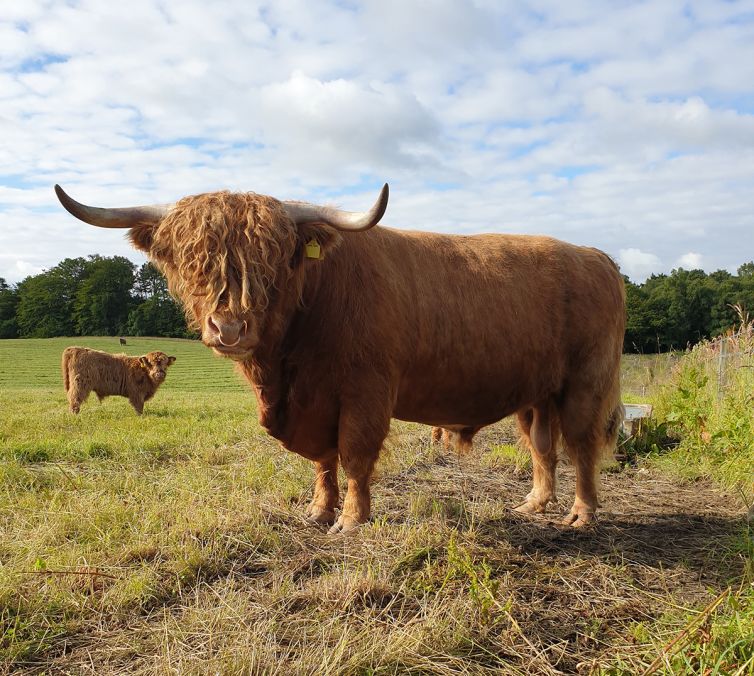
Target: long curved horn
{"type": "Point", "coordinates": [302, 212]}
{"type": "Point", "coordinates": [126, 217]}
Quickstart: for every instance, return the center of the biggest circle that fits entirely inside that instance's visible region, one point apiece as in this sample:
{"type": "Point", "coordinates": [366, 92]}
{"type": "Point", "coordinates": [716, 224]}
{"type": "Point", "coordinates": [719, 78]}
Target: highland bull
{"type": "Point", "coordinates": [340, 326]}
{"type": "Point", "coordinates": [136, 378]}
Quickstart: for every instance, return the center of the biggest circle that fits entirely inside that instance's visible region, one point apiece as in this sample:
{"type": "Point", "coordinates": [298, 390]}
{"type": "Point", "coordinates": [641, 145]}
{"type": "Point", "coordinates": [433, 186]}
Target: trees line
{"type": "Point", "coordinates": [100, 295]}
{"type": "Point", "coordinates": [93, 296]}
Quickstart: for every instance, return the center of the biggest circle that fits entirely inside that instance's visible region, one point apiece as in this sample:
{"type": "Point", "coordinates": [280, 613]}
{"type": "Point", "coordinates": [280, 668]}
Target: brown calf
{"type": "Point", "coordinates": [105, 374]}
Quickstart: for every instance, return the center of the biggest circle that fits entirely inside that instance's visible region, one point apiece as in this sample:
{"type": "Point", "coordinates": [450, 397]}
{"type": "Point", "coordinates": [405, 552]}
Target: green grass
{"type": "Point", "coordinates": [35, 363]}
{"type": "Point", "coordinates": [642, 375]}
{"type": "Point", "coordinates": [175, 543]}
{"type": "Point", "coordinates": [708, 403]}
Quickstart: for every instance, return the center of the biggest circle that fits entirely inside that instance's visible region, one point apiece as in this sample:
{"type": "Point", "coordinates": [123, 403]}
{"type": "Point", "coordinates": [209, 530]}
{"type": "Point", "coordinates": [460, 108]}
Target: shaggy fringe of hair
{"type": "Point", "coordinates": [226, 251]}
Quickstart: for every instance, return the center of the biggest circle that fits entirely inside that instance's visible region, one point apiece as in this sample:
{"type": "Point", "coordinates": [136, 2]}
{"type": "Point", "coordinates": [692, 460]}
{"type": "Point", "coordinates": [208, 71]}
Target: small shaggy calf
{"type": "Point", "coordinates": [136, 378]}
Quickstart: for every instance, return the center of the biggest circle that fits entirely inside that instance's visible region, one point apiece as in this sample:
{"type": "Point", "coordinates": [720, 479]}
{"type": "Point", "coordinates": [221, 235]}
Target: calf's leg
{"type": "Point", "coordinates": [137, 402]}
{"type": "Point", "coordinates": [77, 394]}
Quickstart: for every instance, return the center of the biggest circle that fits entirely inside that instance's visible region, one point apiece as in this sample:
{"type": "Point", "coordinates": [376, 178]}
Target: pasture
{"type": "Point", "coordinates": [176, 543]}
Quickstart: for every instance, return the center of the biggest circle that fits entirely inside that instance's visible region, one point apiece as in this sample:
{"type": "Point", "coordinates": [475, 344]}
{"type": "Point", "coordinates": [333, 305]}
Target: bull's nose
{"type": "Point", "coordinates": [227, 332]}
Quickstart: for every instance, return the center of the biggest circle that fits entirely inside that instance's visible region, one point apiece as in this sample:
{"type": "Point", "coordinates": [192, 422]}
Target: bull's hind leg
{"type": "Point", "coordinates": [322, 507]}
{"type": "Point", "coordinates": [539, 432]}
{"type": "Point", "coordinates": [360, 438]}
{"type": "Point", "coordinates": [590, 427]}
{"type": "Point", "coordinates": [584, 454]}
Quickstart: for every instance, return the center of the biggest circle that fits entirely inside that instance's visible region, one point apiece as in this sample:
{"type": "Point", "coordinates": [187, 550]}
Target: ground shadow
{"type": "Point", "coordinates": [699, 543]}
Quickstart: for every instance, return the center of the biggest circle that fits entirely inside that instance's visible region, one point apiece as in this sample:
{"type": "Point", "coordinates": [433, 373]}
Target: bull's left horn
{"type": "Point", "coordinates": [301, 212]}
{"type": "Point", "coordinates": [123, 217]}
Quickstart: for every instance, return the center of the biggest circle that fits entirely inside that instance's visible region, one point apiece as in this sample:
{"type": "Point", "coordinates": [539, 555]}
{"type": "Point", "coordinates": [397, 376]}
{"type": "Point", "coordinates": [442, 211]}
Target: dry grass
{"type": "Point", "coordinates": [447, 579]}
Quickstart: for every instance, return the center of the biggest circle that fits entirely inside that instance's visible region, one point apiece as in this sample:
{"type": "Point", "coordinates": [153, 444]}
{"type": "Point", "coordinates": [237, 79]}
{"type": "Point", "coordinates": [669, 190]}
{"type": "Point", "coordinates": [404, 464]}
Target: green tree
{"type": "Point", "coordinates": [746, 270]}
{"type": "Point", "coordinates": [103, 299]}
{"type": "Point", "coordinates": [46, 301]}
{"type": "Point", "coordinates": [639, 336]}
{"type": "Point", "coordinates": [150, 283]}
{"type": "Point", "coordinates": [157, 317]}
{"type": "Point", "coordinates": [158, 314]}
{"type": "Point", "coordinates": [8, 307]}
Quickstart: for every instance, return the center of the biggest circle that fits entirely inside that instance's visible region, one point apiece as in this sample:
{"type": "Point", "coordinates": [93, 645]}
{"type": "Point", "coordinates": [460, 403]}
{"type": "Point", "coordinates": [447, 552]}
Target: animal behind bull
{"type": "Point", "coordinates": [340, 325]}
{"type": "Point", "coordinates": [105, 374]}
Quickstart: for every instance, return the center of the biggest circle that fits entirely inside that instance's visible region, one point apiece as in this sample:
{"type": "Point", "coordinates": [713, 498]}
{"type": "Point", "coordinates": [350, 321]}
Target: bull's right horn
{"type": "Point", "coordinates": [123, 217]}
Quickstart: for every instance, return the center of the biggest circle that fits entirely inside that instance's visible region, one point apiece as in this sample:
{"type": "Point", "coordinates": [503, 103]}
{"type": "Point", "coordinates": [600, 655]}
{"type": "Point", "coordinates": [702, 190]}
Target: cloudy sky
{"type": "Point", "coordinates": [623, 125]}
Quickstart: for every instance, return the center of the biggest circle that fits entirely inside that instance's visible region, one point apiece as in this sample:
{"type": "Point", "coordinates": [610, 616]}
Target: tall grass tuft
{"type": "Point", "coordinates": [708, 404]}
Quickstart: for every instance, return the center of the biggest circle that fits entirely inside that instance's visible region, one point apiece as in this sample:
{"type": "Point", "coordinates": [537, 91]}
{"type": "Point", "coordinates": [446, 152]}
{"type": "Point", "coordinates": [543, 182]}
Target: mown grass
{"type": "Point", "coordinates": [176, 543]}
{"type": "Point", "coordinates": [36, 363]}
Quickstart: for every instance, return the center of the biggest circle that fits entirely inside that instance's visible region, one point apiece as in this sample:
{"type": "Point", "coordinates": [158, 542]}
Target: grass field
{"type": "Point", "coordinates": [176, 543]}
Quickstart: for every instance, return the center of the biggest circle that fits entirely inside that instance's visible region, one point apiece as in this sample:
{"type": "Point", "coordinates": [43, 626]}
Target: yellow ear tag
{"type": "Point", "coordinates": [313, 249]}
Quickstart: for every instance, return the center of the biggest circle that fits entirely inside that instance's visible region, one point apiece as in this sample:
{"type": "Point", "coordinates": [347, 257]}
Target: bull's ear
{"type": "Point", "coordinates": [315, 241]}
{"type": "Point", "coordinates": [170, 360]}
{"type": "Point", "coordinates": [141, 236]}
{"type": "Point", "coordinates": [144, 362]}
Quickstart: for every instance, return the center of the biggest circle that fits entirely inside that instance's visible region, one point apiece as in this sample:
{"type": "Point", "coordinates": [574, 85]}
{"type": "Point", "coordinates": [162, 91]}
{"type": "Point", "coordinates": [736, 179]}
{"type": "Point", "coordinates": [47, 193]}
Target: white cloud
{"type": "Point", "coordinates": [638, 264]}
{"type": "Point", "coordinates": [690, 261]}
{"type": "Point", "coordinates": [312, 119]}
{"type": "Point", "coordinates": [630, 129]}
{"type": "Point", "coordinates": [24, 269]}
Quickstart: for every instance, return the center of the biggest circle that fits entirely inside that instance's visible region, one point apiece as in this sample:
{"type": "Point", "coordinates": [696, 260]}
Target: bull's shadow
{"type": "Point", "coordinates": [700, 543]}
{"type": "Point", "coordinates": [648, 519]}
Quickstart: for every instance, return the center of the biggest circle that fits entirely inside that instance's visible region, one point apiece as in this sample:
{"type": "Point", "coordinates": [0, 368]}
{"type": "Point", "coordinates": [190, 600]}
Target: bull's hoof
{"type": "Point", "coordinates": [320, 515]}
{"type": "Point", "coordinates": [534, 506]}
{"type": "Point", "coordinates": [576, 519]}
{"type": "Point", "coordinates": [344, 524]}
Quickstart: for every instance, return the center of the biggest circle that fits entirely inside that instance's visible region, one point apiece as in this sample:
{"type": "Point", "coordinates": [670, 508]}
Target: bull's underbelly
{"type": "Point", "coordinates": [468, 407]}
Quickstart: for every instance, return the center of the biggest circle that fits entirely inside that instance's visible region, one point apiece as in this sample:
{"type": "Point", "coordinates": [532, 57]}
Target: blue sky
{"type": "Point", "coordinates": [626, 125]}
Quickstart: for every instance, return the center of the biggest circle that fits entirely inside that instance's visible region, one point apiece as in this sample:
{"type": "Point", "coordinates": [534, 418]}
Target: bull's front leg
{"type": "Point", "coordinates": [322, 507]}
{"type": "Point", "coordinates": [360, 438]}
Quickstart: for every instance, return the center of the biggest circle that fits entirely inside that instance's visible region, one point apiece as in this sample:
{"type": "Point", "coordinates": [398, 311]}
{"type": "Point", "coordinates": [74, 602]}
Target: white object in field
{"type": "Point", "coordinates": [634, 414]}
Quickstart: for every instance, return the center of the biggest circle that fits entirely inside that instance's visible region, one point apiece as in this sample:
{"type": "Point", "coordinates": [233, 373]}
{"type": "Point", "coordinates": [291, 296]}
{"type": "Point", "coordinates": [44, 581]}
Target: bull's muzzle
{"type": "Point", "coordinates": [225, 332]}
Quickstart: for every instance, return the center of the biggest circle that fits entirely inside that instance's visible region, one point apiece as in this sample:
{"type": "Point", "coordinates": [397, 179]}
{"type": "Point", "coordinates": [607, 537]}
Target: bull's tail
{"type": "Point", "coordinates": [64, 365]}
{"type": "Point", "coordinates": [614, 423]}
{"type": "Point", "coordinates": [616, 413]}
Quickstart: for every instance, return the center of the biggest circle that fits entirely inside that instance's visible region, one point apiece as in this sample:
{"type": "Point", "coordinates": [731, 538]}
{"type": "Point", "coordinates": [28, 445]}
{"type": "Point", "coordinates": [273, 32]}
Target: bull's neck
{"type": "Point", "coordinates": [269, 369]}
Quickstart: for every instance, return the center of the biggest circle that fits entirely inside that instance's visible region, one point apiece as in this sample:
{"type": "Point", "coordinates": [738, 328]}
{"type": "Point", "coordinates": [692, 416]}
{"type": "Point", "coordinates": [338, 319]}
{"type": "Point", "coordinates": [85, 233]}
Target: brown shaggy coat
{"type": "Point", "coordinates": [105, 374]}
{"type": "Point", "coordinates": [451, 331]}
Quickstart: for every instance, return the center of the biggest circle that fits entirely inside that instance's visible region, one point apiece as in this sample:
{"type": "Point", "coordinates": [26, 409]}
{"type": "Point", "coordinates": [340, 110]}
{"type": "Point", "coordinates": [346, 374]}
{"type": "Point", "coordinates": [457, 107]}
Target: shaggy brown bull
{"type": "Point", "coordinates": [338, 330]}
{"type": "Point", "coordinates": [105, 374]}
